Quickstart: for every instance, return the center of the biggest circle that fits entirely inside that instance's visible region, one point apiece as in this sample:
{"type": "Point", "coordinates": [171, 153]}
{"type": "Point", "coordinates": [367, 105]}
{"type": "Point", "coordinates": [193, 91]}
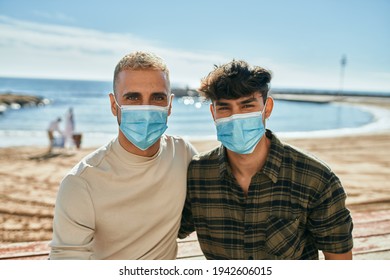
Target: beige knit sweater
{"type": "Point", "coordinates": [116, 205]}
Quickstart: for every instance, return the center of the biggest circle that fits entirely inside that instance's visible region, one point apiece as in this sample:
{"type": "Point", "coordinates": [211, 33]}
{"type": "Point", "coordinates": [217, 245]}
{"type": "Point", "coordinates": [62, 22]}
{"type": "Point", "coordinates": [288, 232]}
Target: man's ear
{"type": "Point", "coordinates": [212, 110]}
{"type": "Point", "coordinates": [114, 106]}
{"type": "Point", "coordinates": [170, 104]}
{"type": "Point", "coordinates": [269, 108]}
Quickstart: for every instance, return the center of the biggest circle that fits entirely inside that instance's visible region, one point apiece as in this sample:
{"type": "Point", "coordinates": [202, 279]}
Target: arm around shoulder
{"type": "Point", "coordinates": [191, 150]}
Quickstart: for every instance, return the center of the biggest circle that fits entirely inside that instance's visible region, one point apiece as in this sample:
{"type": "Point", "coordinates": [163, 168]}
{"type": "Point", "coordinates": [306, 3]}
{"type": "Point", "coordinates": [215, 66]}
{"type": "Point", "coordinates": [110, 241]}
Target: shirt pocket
{"type": "Point", "coordinates": [282, 237]}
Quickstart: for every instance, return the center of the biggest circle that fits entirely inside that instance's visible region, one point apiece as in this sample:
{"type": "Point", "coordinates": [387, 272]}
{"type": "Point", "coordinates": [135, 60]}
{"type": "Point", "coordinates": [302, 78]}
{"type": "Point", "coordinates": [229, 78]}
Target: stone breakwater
{"type": "Point", "coordinates": [17, 101]}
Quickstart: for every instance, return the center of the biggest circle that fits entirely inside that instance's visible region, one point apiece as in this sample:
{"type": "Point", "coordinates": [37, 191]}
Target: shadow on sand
{"type": "Point", "coordinates": [49, 154]}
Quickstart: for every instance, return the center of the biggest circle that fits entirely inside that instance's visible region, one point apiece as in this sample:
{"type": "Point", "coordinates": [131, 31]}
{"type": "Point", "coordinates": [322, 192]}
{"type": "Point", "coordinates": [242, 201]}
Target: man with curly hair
{"type": "Point", "coordinates": [255, 197]}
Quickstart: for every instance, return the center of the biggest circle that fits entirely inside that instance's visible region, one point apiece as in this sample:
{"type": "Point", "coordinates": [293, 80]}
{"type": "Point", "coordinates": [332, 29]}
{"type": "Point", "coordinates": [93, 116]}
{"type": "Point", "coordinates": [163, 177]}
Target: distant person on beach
{"type": "Point", "coordinates": [54, 127]}
{"type": "Point", "coordinates": [124, 201]}
{"type": "Point", "coordinates": [255, 197]}
{"type": "Point", "coordinates": [69, 128]}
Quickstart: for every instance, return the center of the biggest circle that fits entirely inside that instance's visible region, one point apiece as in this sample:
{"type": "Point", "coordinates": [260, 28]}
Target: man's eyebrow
{"type": "Point", "coordinates": [221, 103]}
{"type": "Point", "coordinates": [249, 100]}
{"type": "Point", "coordinates": [159, 94]}
{"type": "Point", "coordinates": [131, 93]}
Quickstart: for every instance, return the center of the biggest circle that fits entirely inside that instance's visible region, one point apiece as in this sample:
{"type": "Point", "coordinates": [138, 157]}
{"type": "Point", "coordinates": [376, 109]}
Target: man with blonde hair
{"type": "Point", "coordinates": [124, 200]}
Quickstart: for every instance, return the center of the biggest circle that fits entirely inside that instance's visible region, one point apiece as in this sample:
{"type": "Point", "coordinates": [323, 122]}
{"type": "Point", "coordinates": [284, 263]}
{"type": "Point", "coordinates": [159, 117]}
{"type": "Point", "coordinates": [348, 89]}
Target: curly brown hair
{"type": "Point", "coordinates": [234, 80]}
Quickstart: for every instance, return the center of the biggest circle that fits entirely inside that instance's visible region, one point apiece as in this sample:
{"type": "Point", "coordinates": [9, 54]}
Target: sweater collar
{"type": "Point", "coordinates": [129, 158]}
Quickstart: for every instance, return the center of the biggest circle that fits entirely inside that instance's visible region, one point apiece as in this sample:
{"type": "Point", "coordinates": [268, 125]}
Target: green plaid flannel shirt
{"type": "Point", "coordinates": [295, 206]}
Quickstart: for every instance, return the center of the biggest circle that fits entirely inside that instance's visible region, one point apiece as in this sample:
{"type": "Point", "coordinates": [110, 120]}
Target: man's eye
{"type": "Point", "coordinates": [222, 108]}
{"type": "Point", "coordinates": [160, 98]}
{"type": "Point", "coordinates": [132, 97]}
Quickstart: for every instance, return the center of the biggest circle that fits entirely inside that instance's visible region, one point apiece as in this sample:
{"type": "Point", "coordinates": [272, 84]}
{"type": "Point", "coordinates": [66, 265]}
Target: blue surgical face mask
{"type": "Point", "coordinates": [143, 125]}
{"type": "Point", "coordinates": [241, 133]}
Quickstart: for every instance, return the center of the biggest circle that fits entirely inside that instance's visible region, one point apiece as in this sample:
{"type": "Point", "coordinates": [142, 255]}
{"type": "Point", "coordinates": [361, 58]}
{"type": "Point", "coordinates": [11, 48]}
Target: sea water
{"type": "Point", "coordinates": [190, 117]}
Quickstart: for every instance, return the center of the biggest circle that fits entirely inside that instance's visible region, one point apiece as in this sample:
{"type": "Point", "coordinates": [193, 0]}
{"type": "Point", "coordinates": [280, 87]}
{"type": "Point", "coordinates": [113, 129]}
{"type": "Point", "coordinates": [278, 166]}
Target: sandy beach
{"type": "Point", "coordinates": [29, 178]}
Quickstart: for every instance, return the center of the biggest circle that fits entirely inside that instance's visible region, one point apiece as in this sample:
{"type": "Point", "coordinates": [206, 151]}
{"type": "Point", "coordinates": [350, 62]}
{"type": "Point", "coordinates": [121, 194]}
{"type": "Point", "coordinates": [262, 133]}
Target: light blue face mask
{"type": "Point", "coordinates": [143, 125]}
{"type": "Point", "coordinates": [240, 133]}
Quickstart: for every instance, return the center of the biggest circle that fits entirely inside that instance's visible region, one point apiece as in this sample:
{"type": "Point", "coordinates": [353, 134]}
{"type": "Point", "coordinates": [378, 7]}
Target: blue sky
{"type": "Point", "coordinates": [300, 41]}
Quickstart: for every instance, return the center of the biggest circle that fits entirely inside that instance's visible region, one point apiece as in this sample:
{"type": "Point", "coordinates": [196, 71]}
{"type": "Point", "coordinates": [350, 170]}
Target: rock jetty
{"type": "Point", "coordinates": [17, 101]}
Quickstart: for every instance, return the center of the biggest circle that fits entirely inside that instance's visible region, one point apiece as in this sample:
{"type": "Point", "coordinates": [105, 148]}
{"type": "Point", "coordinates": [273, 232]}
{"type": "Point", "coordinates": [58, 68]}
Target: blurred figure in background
{"type": "Point", "coordinates": [54, 127]}
{"type": "Point", "coordinates": [69, 128]}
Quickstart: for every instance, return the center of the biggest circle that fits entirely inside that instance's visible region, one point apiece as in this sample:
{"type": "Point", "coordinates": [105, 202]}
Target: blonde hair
{"type": "Point", "coordinates": [140, 60]}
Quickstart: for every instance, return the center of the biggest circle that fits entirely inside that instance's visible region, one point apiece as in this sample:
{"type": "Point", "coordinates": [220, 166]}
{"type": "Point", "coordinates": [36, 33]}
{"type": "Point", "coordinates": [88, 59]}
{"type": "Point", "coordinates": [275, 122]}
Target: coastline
{"type": "Point", "coordinates": [380, 124]}
{"type": "Point", "coordinates": [378, 107]}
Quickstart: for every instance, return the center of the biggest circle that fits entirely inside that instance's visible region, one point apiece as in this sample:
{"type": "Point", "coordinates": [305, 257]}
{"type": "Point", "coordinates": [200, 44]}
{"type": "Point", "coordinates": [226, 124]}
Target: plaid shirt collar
{"type": "Point", "coordinates": [272, 165]}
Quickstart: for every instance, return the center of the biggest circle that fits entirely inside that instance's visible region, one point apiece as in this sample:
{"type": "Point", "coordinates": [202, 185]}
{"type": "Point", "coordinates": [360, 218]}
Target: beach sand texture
{"type": "Point", "coordinates": [29, 181]}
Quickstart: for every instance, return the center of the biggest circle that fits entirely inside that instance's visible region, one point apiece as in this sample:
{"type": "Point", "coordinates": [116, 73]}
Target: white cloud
{"type": "Point", "coordinates": [29, 49]}
{"type": "Point", "coordinates": [56, 16]}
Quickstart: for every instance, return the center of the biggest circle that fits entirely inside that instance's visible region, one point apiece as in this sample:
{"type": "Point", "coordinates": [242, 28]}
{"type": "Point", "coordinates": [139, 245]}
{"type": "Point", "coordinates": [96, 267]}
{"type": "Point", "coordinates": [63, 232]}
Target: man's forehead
{"type": "Point", "coordinates": [253, 97]}
{"type": "Point", "coordinates": [142, 81]}
{"type": "Point", "coordinates": [136, 93]}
